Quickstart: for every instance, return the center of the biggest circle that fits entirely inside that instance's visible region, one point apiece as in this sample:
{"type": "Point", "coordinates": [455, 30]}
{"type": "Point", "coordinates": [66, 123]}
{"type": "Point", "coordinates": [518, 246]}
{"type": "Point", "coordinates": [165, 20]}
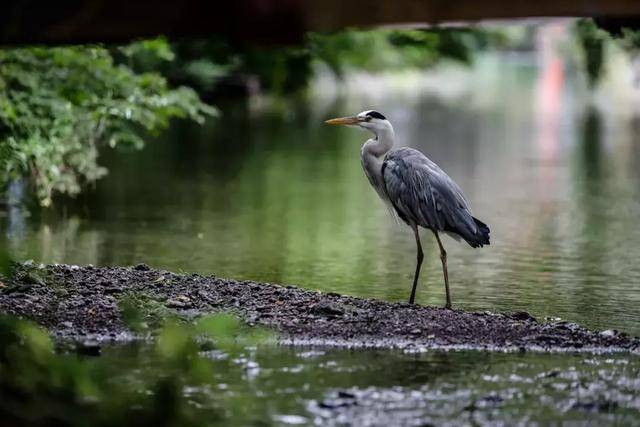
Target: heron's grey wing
{"type": "Point", "coordinates": [425, 195]}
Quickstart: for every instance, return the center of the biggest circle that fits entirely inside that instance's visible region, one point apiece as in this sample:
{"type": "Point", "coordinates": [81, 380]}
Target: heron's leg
{"type": "Point", "coordinates": [445, 271]}
{"type": "Point", "coordinates": [420, 257]}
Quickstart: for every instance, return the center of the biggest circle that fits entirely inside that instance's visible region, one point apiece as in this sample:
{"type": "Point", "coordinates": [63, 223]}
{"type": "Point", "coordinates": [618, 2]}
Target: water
{"type": "Point", "coordinates": [268, 192]}
{"type": "Point", "coordinates": [307, 386]}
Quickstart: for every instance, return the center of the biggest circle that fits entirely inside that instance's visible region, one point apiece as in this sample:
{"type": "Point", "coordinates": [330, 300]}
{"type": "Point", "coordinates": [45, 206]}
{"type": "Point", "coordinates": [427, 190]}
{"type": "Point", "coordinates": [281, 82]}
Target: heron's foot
{"type": "Point", "coordinates": [447, 306]}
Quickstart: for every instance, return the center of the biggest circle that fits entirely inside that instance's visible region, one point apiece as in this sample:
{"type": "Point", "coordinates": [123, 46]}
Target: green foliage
{"type": "Point", "coordinates": [282, 70]}
{"type": "Point", "coordinates": [631, 40]}
{"type": "Point", "coordinates": [200, 64]}
{"type": "Point", "coordinates": [59, 105]}
{"type": "Point", "coordinates": [592, 42]}
{"type": "Point", "coordinates": [398, 49]}
{"type": "Point", "coordinates": [41, 388]}
{"type": "Point", "coordinates": [230, 334]}
{"type": "Point", "coordinates": [5, 259]}
{"type": "Point", "coordinates": [204, 72]}
{"type": "Point", "coordinates": [149, 54]}
{"type": "Point", "coordinates": [143, 313]}
{"type": "Point", "coordinates": [27, 275]}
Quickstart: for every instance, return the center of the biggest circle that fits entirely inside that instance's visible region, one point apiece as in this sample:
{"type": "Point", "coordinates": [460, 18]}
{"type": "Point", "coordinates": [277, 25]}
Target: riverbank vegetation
{"type": "Point", "coordinates": [60, 105]}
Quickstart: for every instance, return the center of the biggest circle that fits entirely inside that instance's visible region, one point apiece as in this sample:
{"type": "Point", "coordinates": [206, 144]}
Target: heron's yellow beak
{"type": "Point", "coordinates": [343, 121]}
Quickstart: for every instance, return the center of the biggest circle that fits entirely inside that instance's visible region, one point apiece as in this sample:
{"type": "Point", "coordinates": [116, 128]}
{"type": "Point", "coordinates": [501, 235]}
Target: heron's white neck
{"type": "Point", "coordinates": [383, 142]}
{"type": "Point", "coordinates": [371, 156]}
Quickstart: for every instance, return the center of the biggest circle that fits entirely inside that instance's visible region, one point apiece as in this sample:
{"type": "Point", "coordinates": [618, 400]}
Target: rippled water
{"type": "Point", "coordinates": [268, 192]}
{"type": "Point", "coordinates": [306, 386]}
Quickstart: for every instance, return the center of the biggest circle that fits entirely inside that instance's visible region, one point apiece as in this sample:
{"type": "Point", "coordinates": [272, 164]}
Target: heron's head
{"type": "Point", "coordinates": [370, 120]}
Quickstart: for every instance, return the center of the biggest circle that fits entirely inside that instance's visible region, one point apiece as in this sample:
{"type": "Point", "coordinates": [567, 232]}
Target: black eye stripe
{"type": "Point", "coordinates": [376, 115]}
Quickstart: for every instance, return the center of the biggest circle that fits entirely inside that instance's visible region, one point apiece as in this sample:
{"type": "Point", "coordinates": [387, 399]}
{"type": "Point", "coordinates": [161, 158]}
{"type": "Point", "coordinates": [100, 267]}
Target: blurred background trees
{"type": "Point", "coordinates": [59, 106]}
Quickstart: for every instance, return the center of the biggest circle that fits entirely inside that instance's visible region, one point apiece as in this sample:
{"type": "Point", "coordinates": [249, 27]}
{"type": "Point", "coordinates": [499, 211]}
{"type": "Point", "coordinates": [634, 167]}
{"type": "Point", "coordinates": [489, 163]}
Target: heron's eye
{"type": "Point", "coordinates": [368, 118]}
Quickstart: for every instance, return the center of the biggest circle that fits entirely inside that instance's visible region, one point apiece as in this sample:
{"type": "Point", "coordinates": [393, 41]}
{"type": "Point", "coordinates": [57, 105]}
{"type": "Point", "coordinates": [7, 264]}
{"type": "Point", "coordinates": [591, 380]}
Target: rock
{"type": "Point", "coordinates": [522, 315]}
{"type": "Point", "coordinates": [142, 267]}
{"type": "Point", "coordinates": [327, 308]}
{"type": "Point", "coordinates": [346, 395]}
{"type": "Point", "coordinates": [176, 303]}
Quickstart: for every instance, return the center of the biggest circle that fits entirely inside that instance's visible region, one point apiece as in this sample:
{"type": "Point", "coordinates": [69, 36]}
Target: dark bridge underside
{"type": "Point", "coordinates": [268, 21]}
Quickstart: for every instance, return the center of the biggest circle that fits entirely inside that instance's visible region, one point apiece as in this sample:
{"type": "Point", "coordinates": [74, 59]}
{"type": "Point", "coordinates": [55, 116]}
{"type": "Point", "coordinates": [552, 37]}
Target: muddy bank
{"type": "Point", "coordinates": [81, 302]}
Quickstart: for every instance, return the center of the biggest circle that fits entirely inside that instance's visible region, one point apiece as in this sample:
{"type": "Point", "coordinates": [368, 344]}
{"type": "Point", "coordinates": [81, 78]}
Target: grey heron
{"type": "Point", "coordinates": [416, 190]}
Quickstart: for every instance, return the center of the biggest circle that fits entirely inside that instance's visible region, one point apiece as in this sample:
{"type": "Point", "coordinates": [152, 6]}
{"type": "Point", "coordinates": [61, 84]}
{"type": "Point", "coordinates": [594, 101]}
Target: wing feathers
{"type": "Point", "coordinates": [424, 194]}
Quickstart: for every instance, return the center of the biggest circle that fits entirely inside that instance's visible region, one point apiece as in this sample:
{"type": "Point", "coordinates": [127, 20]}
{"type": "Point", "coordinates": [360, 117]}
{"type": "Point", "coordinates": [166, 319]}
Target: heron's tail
{"type": "Point", "coordinates": [481, 237]}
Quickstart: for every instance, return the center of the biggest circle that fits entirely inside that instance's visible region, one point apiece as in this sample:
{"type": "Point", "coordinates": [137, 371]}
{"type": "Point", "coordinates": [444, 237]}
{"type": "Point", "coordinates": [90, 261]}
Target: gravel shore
{"type": "Point", "coordinates": [81, 302]}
